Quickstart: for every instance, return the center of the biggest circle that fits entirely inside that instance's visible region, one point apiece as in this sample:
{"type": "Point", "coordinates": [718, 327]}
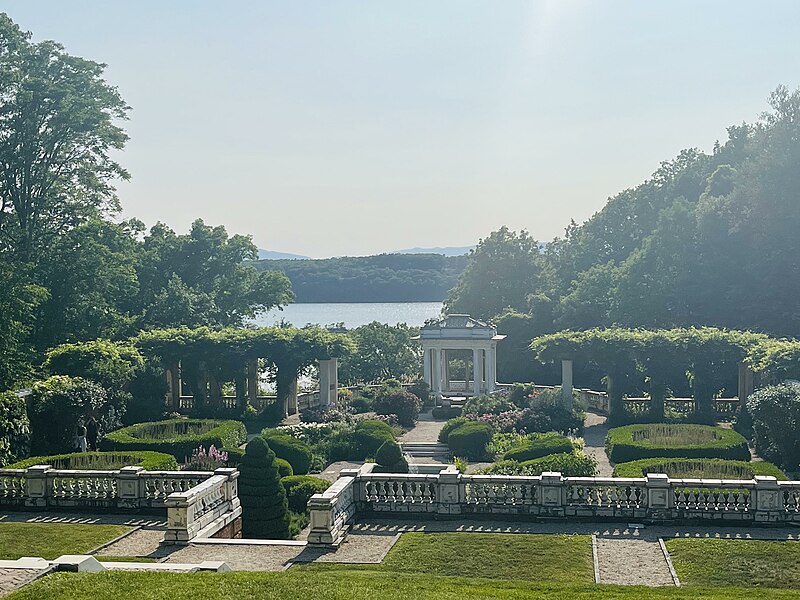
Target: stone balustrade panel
{"type": "Point", "coordinates": [12, 487]}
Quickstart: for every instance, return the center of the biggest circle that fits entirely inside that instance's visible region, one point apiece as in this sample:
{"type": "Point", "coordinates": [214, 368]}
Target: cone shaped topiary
{"type": "Point", "coordinates": [263, 497]}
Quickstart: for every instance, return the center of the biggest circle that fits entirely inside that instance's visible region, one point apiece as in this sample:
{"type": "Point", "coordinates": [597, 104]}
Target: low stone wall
{"type": "Point", "coordinates": [450, 494]}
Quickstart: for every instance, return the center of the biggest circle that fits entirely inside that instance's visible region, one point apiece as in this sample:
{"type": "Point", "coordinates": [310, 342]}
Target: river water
{"type": "Point", "coordinates": [353, 314]}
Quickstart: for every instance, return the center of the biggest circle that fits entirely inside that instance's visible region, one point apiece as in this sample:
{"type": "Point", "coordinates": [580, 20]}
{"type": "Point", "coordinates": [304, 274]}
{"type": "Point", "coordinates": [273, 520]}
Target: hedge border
{"type": "Point", "coordinates": [621, 447]}
{"type": "Point", "coordinates": [223, 434]}
{"type": "Point", "coordinates": [635, 468]}
{"type": "Point", "coordinates": [543, 444]}
{"type": "Point", "coordinates": [149, 460]}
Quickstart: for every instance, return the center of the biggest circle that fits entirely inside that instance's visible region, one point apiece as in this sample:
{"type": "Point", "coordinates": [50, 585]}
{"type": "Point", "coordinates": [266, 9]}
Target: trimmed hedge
{"type": "Point", "coordinates": [539, 445]}
{"type": "Point", "coordinates": [705, 468]}
{"type": "Point", "coordinates": [300, 488]}
{"type": "Point", "coordinates": [390, 458]}
{"type": "Point", "coordinates": [265, 511]}
{"type": "Point", "coordinates": [469, 440]}
{"type": "Point", "coordinates": [634, 442]}
{"type": "Point", "coordinates": [440, 412]}
{"type": "Point", "coordinates": [369, 435]}
{"type": "Point", "coordinates": [573, 464]}
{"type": "Point", "coordinates": [297, 453]}
{"type": "Point", "coordinates": [178, 437]}
{"type": "Point", "coordinates": [444, 432]}
{"type": "Point", "coordinates": [103, 461]}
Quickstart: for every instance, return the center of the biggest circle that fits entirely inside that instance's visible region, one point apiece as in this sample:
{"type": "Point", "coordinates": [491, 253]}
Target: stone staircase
{"type": "Point", "coordinates": [432, 450]}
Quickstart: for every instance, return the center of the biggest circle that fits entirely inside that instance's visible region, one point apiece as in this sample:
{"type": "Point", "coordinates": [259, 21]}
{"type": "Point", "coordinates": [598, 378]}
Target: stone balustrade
{"type": "Point", "coordinates": [198, 503]}
{"type": "Point", "coordinates": [655, 498]}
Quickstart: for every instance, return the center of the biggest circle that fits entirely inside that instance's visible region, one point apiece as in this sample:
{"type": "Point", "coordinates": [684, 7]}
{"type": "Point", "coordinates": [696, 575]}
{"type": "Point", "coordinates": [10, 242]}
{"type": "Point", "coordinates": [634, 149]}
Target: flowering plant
{"type": "Point", "coordinates": [206, 460]}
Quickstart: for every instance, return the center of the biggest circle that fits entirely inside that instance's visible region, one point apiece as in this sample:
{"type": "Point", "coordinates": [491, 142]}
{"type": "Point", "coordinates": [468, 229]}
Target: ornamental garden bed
{"type": "Point", "coordinates": [102, 461]}
{"type": "Point", "coordinates": [178, 437]}
{"type": "Point", "coordinates": [661, 440]}
{"type": "Point", "coordinates": [698, 468]}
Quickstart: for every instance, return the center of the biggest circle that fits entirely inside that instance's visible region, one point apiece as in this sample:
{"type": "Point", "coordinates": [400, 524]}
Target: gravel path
{"type": "Point", "coordinates": [626, 561]}
{"type": "Point", "coordinates": [594, 434]}
{"type": "Point", "coordinates": [13, 579]}
{"type": "Point", "coordinates": [426, 430]}
{"type": "Point", "coordinates": [141, 543]}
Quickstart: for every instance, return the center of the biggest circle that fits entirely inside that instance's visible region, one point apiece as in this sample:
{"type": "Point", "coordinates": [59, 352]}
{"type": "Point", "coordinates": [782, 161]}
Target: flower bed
{"type": "Point", "coordinates": [659, 440]}
{"type": "Point", "coordinates": [697, 468]}
{"type": "Point", "coordinates": [102, 461]}
{"type": "Point", "coordinates": [178, 437]}
{"type": "Point", "coordinates": [574, 464]}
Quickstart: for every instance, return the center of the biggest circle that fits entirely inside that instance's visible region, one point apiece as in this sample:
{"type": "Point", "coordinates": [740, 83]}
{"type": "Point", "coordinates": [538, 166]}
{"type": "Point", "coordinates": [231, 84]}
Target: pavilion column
{"type": "Point", "coordinates": [426, 367]}
{"type": "Point", "coordinates": [436, 375]}
{"type": "Point", "coordinates": [476, 372]}
{"type": "Point", "coordinates": [252, 381]}
{"type": "Point", "coordinates": [746, 385]}
{"type": "Point", "coordinates": [491, 369]}
{"type": "Point", "coordinates": [446, 372]}
{"type": "Point", "coordinates": [566, 384]}
{"type": "Point", "coordinates": [482, 370]}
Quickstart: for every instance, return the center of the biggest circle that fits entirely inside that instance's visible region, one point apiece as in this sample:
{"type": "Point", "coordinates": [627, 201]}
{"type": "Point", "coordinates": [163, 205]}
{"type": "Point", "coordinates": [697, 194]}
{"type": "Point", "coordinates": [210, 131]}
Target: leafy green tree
{"type": "Point", "coordinates": [15, 431]}
{"type": "Point", "coordinates": [58, 131]}
{"type": "Point", "coordinates": [501, 273]}
{"type": "Point", "coordinates": [264, 506]}
{"type": "Point", "coordinates": [18, 303]}
{"type": "Point", "coordinates": [383, 351]}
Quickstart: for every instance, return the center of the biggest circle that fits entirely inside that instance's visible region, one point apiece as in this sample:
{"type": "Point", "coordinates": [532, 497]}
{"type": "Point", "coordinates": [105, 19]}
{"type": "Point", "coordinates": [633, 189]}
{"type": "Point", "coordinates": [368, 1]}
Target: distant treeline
{"type": "Point", "coordinates": [381, 278]}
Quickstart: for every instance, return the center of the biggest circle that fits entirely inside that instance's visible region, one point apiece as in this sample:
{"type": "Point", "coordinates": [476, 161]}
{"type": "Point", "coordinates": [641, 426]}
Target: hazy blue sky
{"type": "Point", "coordinates": [329, 128]}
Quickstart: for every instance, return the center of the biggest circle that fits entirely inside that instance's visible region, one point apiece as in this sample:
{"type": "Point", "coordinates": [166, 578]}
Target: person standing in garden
{"type": "Point", "coordinates": [92, 429]}
{"type": "Point", "coordinates": [80, 437]}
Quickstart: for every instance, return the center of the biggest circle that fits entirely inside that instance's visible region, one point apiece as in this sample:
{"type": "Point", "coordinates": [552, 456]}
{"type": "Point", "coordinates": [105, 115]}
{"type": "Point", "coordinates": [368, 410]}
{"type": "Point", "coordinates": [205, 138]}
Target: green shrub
{"type": "Point", "coordinates": [58, 404]}
{"type": "Point", "coordinates": [284, 468]}
{"type": "Point", "coordinates": [698, 468]}
{"type": "Point", "coordinates": [538, 445]}
{"type": "Point", "coordinates": [290, 449]}
{"type": "Point", "coordinates": [15, 430]}
{"type": "Point", "coordinates": [470, 439]}
{"type": "Point", "coordinates": [775, 411]}
{"type": "Point", "coordinates": [361, 404]}
{"type": "Point", "coordinates": [234, 455]}
{"type": "Point", "coordinates": [300, 488]}
{"type": "Point", "coordinates": [178, 437]}
{"type": "Point", "coordinates": [369, 435]}
{"type": "Point", "coordinates": [444, 433]}
{"type": "Point", "coordinates": [390, 458]}
{"type": "Point", "coordinates": [400, 402]}
{"type": "Point", "coordinates": [633, 442]}
{"type": "Point", "coordinates": [445, 412]}
{"type": "Point", "coordinates": [421, 390]}
{"type": "Point", "coordinates": [482, 405]}
{"type": "Point", "coordinates": [573, 464]}
{"type": "Point", "coordinates": [103, 461]}
{"type": "Point", "coordinates": [265, 511]}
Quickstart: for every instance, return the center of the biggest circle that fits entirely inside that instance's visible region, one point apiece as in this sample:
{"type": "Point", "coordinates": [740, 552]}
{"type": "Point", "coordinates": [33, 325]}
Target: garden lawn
{"type": "Point", "coordinates": [51, 540]}
{"type": "Point", "coordinates": [344, 584]}
{"type": "Point", "coordinates": [741, 563]}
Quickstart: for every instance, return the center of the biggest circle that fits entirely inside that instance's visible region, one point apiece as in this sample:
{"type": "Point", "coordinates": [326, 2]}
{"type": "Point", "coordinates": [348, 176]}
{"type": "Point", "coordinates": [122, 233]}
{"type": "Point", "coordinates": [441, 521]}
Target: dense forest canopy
{"type": "Point", "coordinates": [381, 278]}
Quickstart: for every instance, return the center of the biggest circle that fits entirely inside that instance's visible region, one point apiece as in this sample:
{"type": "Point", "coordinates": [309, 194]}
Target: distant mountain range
{"type": "Point", "coordinates": [445, 250]}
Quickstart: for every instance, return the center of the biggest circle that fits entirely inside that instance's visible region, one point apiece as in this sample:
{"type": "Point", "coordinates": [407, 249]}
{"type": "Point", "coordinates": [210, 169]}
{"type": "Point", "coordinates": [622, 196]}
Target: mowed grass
{"type": "Point", "coordinates": [345, 584]}
{"type": "Point", "coordinates": [557, 558]}
{"type": "Point", "coordinates": [51, 540]}
{"type": "Point", "coordinates": [740, 563]}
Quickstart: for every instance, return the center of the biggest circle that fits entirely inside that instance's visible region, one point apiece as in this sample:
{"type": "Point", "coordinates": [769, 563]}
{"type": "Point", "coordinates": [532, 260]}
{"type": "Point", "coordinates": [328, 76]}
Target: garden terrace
{"type": "Point", "coordinates": [93, 461]}
{"type": "Point", "coordinates": [203, 360]}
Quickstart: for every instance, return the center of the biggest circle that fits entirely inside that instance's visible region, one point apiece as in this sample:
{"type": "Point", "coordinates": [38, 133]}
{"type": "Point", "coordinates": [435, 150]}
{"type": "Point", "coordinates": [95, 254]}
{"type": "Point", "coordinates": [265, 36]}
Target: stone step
{"type": "Point", "coordinates": [426, 449]}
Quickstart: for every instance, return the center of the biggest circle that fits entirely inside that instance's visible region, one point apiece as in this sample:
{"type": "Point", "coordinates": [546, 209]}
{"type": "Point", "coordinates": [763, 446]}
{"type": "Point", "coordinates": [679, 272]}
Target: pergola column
{"type": "Point", "coordinates": [174, 385]}
{"type": "Point", "coordinates": [566, 384]}
{"type": "Point", "coordinates": [252, 381]}
{"type": "Point", "coordinates": [328, 381]}
{"type": "Point", "coordinates": [293, 396]}
{"type": "Point", "coordinates": [746, 385]}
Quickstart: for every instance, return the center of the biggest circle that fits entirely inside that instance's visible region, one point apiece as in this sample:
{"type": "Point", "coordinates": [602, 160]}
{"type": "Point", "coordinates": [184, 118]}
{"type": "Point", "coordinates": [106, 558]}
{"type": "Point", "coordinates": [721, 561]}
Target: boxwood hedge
{"type": "Point", "coordinates": [102, 461]}
{"type": "Point", "coordinates": [538, 445]}
{"type": "Point", "coordinates": [300, 488]}
{"type": "Point", "coordinates": [469, 440]}
{"type": "Point", "coordinates": [694, 468]}
{"type": "Point", "coordinates": [660, 440]}
{"type": "Point", "coordinates": [296, 453]}
{"type": "Point", "coordinates": [178, 437]}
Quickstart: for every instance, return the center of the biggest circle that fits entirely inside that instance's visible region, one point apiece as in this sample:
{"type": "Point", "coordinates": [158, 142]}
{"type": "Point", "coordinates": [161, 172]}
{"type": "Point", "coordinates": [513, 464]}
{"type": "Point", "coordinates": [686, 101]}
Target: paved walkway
{"type": "Point", "coordinates": [426, 430]}
{"type": "Point", "coordinates": [626, 561]}
{"type": "Point", "coordinates": [13, 579]}
{"type": "Point", "coordinates": [594, 436]}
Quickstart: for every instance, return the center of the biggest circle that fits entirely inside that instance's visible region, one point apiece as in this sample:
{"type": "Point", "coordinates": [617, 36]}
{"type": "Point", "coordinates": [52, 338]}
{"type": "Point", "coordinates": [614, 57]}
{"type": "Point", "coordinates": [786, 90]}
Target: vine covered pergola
{"type": "Point", "coordinates": [207, 358]}
{"type": "Point", "coordinates": [660, 356]}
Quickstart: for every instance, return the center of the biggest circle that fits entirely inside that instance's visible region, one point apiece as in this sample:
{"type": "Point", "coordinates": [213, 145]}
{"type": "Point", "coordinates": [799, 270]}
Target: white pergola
{"type": "Point", "coordinates": [459, 332]}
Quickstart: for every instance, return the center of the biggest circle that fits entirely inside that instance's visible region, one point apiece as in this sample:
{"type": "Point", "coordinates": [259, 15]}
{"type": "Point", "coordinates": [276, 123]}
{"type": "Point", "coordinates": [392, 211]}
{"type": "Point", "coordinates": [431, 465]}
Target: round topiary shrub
{"type": "Point", "coordinates": [178, 437]}
{"type": "Point", "coordinates": [300, 488]}
{"type": "Point", "coordinates": [297, 453]}
{"type": "Point", "coordinates": [264, 507]}
{"type": "Point", "coordinates": [103, 461]}
{"type": "Point", "coordinates": [698, 468]}
{"type": "Point", "coordinates": [470, 439]}
{"type": "Point", "coordinates": [538, 445]}
{"type": "Point", "coordinates": [284, 468]}
{"type": "Point", "coordinates": [775, 411]}
{"type": "Point", "coordinates": [390, 458]}
{"type": "Point", "coordinates": [368, 436]}
{"type": "Point", "coordinates": [660, 440]}
{"type": "Point", "coordinates": [444, 433]}
{"type": "Point", "coordinates": [400, 402]}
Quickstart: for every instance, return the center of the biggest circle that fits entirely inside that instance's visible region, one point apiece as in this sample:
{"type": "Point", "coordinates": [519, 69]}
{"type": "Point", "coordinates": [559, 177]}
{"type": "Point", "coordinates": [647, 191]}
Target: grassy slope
{"type": "Point", "coordinates": [543, 558]}
{"type": "Point", "coordinates": [51, 540]}
{"type": "Point", "coordinates": [736, 562]}
{"type": "Point", "coordinates": [343, 584]}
